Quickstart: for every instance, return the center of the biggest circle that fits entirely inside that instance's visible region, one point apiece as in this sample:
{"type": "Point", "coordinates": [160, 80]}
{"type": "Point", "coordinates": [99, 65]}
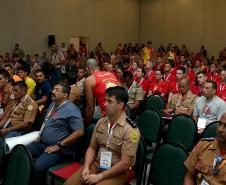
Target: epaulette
{"type": "Point", "coordinates": [208, 139]}
{"type": "Point", "coordinates": [134, 125]}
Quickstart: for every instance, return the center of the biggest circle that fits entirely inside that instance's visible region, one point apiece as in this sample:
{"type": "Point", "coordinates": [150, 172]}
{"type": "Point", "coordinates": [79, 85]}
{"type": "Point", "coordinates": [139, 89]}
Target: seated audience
{"type": "Point", "coordinates": [135, 92]}
{"type": "Point", "coordinates": [159, 87]}
{"type": "Point", "coordinates": [208, 108]}
{"type": "Point", "coordinates": [61, 128]}
{"type": "Point", "coordinates": [5, 88]}
{"type": "Point", "coordinates": [201, 79]}
{"type": "Point", "coordinates": [206, 163]}
{"type": "Point", "coordinates": [13, 78]}
{"type": "Point", "coordinates": [174, 85]}
{"type": "Point", "coordinates": [108, 159]}
{"type": "Point", "coordinates": [183, 102]}
{"type": "Point", "coordinates": [221, 87]}
{"type": "Point", "coordinates": [23, 74]}
{"type": "Point", "coordinates": [43, 90]}
{"type": "Point", "coordinates": [20, 113]}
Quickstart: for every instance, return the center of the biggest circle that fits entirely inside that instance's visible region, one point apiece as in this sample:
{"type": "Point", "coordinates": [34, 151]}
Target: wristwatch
{"type": "Point", "coordinates": [59, 144]}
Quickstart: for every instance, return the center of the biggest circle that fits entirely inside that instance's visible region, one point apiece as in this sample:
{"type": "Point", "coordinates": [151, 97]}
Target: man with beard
{"type": "Point", "coordinates": [43, 89]}
{"type": "Point", "coordinates": [61, 128]}
{"type": "Point", "coordinates": [206, 163]}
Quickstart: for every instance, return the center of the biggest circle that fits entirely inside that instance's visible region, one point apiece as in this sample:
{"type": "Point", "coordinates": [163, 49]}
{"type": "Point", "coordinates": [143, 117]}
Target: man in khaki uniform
{"type": "Point", "coordinates": [20, 112]}
{"type": "Point", "coordinates": [5, 88]}
{"type": "Point", "coordinates": [206, 164]}
{"type": "Point", "coordinates": [183, 102]}
{"type": "Point", "coordinates": [115, 140]}
{"type": "Point", "coordinates": [135, 92]}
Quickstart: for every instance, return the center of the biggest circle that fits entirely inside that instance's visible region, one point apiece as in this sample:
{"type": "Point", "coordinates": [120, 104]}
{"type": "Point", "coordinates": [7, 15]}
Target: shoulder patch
{"type": "Point", "coordinates": [208, 139]}
{"type": "Point", "coordinates": [30, 107]}
{"type": "Point", "coordinates": [134, 125]}
{"type": "Point", "coordinates": [134, 137]}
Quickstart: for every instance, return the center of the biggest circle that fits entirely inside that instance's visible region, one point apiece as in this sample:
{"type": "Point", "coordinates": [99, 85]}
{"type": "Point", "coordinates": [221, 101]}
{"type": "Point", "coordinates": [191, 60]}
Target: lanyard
{"type": "Point", "coordinates": [50, 113]}
{"type": "Point", "coordinates": [141, 81]}
{"type": "Point", "coordinates": [207, 107]}
{"type": "Point", "coordinates": [222, 87]}
{"type": "Point", "coordinates": [182, 98]}
{"type": "Point", "coordinates": [131, 86]}
{"type": "Point", "coordinates": [110, 133]}
{"type": "Point", "coordinates": [14, 109]}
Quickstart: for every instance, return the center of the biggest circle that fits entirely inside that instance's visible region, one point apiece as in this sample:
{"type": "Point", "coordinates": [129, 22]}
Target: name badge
{"type": "Point", "coordinates": [204, 182]}
{"type": "Point", "coordinates": [201, 123]}
{"type": "Point", "coordinates": [105, 160]}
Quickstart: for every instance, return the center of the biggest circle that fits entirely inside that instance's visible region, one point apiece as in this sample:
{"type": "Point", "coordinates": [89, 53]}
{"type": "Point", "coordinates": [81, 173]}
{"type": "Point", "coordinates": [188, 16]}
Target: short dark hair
{"type": "Point", "coordinates": [182, 69]}
{"type": "Point", "coordinates": [22, 68]}
{"type": "Point", "coordinates": [214, 84]}
{"type": "Point", "coordinates": [201, 72]}
{"type": "Point", "coordinates": [160, 70]}
{"type": "Point", "coordinates": [39, 71]}
{"type": "Point", "coordinates": [127, 74]}
{"type": "Point", "coordinates": [8, 65]}
{"type": "Point", "coordinates": [65, 87]}
{"type": "Point", "coordinates": [120, 93]}
{"type": "Point", "coordinates": [21, 85]}
{"type": "Point", "coordinates": [4, 73]}
{"type": "Point", "coordinates": [170, 62]}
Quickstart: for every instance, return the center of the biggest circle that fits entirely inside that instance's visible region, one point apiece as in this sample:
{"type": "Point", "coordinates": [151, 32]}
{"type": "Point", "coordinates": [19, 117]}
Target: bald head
{"type": "Point", "coordinates": [184, 86]}
{"type": "Point", "coordinates": [92, 63]}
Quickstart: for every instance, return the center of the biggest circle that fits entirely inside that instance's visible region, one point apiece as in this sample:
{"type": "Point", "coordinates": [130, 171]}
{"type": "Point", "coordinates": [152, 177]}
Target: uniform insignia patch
{"type": "Point", "coordinates": [12, 96]}
{"type": "Point", "coordinates": [134, 137]}
{"type": "Point", "coordinates": [29, 107]}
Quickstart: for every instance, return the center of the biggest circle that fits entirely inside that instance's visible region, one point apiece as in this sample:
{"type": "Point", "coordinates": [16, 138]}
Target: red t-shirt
{"type": "Point", "coordinates": [159, 88]}
{"type": "Point", "coordinates": [221, 91]}
{"type": "Point", "coordinates": [170, 77]}
{"type": "Point", "coordinates": [214, 77]}
{"type": "Point", "coordinates": [104, 80]}
{"type": "Point", "coordinates": [143, 83]}
{"type": "Point", "coordinates": [174, 87]}
{"type": "Point", "coordinates": [191, 75]}
{"type": "Point", "coordinates": [150, 76]}
{"type": "Point", "coordinates": [196, 89]}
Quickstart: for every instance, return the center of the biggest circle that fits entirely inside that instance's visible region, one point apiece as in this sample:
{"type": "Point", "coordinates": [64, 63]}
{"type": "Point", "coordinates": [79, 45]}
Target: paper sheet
{"type": "Point", "coordinates": [25, 139]}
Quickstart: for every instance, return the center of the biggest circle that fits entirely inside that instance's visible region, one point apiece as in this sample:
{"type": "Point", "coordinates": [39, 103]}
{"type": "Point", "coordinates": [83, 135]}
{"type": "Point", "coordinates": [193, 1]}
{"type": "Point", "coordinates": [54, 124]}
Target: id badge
{"type": "Point", "coordinates": [201, 123]}
{"type": "Point", "coordinates": [105, 160]}
{"type": "Point", "coordinates": [204, 182]}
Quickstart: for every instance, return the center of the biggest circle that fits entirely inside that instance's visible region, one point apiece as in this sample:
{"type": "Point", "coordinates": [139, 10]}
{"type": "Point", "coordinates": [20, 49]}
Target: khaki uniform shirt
{"type": "Point", "coordinates": [25, 112]}
{"type": "Point", "coordinates": [8, 90]}
{"type": "Point", "coordinates": [124, 140]}
{"type": "Point", "coordinates": [135, 93]}
{"type": "Point", "coordinates": [184, 105]}
{"type": "Point", "coordinates": [200, 163]}
{"type": "Point", "coordinates": [74, 93]}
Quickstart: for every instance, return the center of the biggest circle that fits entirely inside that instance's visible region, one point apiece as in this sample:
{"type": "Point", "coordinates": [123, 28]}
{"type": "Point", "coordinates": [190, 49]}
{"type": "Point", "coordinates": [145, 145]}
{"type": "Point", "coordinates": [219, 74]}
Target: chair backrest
{"type": "Point", "coordinates": [167, 165]}
{"type": "Point", "coordinates": [155, 101]}
{"type": "Point", "coordinates": [2, 149]}
{"type": "Point", "coordinates": [83, 143]}
{"type": "Point", "coordinates": [149, 124]}
{"type": "Point", "coordinates": [210, 130]}
{"type": "Point", "coordinates": [182, 129]}
{"type": "Point", "coordinates": [19, 167]}
{"type": "Point", "coordinates": [140, 161]}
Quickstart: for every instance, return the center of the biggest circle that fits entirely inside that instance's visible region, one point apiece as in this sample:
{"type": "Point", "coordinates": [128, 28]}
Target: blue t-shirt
{"type": "Point", "coordinates": [61, 124]}
{"type": "Point", "coordinates": [44, 89]}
